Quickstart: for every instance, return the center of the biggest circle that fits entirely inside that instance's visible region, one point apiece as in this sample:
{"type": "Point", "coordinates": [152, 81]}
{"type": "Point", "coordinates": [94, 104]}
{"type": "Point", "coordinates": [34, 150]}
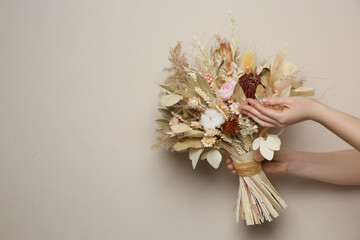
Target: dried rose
{"type": "Point", "coordinates": [227, 90]}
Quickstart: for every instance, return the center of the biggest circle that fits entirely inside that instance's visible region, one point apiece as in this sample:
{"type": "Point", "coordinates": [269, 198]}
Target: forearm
{"type": "Point", "coordinates": [343, 125]}
{"type": "Point", "coordinates": [342, 167]}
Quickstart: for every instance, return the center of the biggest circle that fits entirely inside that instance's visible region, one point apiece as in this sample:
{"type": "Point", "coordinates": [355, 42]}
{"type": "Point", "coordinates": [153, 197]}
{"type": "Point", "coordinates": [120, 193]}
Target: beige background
{"type": "Point", "coordinates": [77, 106]}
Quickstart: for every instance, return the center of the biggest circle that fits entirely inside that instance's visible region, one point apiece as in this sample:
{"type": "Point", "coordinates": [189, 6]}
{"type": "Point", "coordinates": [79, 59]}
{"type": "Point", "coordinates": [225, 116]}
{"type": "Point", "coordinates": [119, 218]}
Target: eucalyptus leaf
{"type": "Point", "coordinates": [171, 99]}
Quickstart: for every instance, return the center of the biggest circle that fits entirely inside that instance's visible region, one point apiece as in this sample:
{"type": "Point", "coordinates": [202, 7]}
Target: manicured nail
{"type": "Point", "coordinates": [265, 100]}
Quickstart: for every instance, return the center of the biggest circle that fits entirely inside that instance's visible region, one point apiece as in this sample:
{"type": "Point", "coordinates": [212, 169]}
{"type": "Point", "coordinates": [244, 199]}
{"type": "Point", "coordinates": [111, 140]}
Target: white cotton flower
{"type": "Point", "coordinates": [268, 146]}
{"type": "Point", "coordinates": [211, 119]}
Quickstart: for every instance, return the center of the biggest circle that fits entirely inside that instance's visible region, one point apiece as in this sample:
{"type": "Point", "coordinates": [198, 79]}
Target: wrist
{"type": "Point", "coordinates": [284, 158]}
{"type": "Point", "coordinates": [298, 163]}
{"type": "Point", "coordinates": [317, 111]}
{"type": "Point", "coordinates": [293, 165]}
{"type": "Point", "coordinates": [290, 160]}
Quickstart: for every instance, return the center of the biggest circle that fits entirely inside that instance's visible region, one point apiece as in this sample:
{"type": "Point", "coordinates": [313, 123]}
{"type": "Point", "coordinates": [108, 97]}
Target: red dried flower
{"type": "Point", "coordinates": [230, 127]}
{"type": "Point", "coordinates": [249, 82]}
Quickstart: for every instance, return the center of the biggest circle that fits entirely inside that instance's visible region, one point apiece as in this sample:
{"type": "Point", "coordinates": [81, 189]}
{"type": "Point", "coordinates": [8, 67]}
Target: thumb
{"type": "Point", "coordinates": [271, 101]}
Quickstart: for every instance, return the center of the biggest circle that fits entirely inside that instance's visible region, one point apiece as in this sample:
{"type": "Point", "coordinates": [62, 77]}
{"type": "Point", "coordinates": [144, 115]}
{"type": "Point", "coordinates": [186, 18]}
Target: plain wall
{"type": "Point", "coordinates": [77, 111]}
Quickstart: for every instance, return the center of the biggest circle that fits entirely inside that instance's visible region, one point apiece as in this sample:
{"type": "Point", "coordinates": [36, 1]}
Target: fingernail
{"type": "Point", "coordinates": [265, 100]}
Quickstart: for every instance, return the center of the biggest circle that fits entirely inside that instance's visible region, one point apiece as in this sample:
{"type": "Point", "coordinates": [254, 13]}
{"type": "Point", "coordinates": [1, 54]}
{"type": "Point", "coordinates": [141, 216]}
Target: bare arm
{"type": "Point", "coordinates": [343, 125]}
{"type": "Point", "coordinates": [342, 167]}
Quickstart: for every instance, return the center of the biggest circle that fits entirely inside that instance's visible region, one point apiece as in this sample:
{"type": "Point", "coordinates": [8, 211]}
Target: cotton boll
{"type": "Point", "coordinates": [211, 119]}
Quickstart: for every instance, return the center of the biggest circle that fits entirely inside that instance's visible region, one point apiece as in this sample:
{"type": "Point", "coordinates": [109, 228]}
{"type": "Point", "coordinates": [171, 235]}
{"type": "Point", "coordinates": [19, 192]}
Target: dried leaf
{"type": "Point", "coordinates": [203, 84]}
{"type": "Point", "coordinates": [163, 123]}
{"type": "Point", "coordinates": [227, 138]}
{"type": "Point", "coordinates": [273, 142]}
{"type": "Point", "coordinates": [171, 99]}
{"type": "Point", "coordinates": [194, 155]}
{"type": "Point", "coordinates": [214, 158]}
{"type": "Point", "coordinates": [187, 94]}
{"type": "Point", "coordinates": [204, 155]}
{"type": "Point", "coordinates": [266, 152]}
{"type": "Point", "coordinates": [286, 91]}
{"type": "Point", "coordinates": [257, 143]}
{"type": "Point", "coordinates": [303, 91]}
{"type": "Point", "coordinates": [260, 91]}
{"type": "Point", "coordinates": [165, 113]}
{"type": "Point", "coordinates": [188, 143]}
{"type": "Point", "coordinates": [238, 95]}
{"type": "Point", "coordinates": [180, 128]}
{"type": "Point", "coordinates": [194, 133]}
{"type": "Point", "coordinates": [219, 82]}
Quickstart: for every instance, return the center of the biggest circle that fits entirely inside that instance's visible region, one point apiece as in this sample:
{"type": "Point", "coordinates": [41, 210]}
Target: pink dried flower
{"type": "Point", "coordinates": [227, 90]}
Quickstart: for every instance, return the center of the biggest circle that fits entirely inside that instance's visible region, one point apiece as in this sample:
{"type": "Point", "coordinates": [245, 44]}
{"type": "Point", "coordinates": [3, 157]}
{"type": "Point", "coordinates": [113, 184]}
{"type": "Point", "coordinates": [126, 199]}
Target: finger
{"type": "Point", "coordinates": [258, 157]}
{"type": "Point", "coordinates": [261, 122]}
{"type": "Point", "coordinates": [230, 166]}
{"type": "Point", "coordinates": [255, 112]}
{"type": "Point", "coordinates": [228, 160]}
{"type": "Point", "coordinates": [234, 172]}
{"type": "Point", "coordinates": [274, 114]}
{"type": "Point", "coordinates": [272, 101]}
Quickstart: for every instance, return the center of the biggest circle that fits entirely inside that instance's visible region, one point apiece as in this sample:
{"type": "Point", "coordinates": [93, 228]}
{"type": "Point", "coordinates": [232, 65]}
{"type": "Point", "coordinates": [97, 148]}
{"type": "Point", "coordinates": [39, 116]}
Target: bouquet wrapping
{"type": "Point", "coordinates": [200, 114]}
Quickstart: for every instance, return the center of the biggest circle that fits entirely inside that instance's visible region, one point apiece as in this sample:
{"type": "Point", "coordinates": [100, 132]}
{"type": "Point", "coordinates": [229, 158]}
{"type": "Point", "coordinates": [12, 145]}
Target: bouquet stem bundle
{"type": "Point", "coordinates": [257, 200]}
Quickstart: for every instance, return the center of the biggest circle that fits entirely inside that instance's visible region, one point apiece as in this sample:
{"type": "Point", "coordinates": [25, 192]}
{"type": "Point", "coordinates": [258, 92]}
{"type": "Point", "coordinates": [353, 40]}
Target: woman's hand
{"type": "Point", "coordinates": [280, 163]}
{"type": "Point", "coordinates": [293, 110]}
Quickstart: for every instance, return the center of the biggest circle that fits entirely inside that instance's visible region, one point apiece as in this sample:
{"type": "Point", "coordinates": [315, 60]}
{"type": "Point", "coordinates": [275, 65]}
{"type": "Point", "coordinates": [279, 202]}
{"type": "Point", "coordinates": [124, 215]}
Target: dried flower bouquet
{"type": "Point", "coordinates": [200, 114]}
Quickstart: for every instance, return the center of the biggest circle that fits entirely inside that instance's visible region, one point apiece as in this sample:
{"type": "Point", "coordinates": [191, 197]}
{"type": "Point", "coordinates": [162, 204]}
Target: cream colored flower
{"type": "Point", "coordinates": [208, 141]}
{"type": "Point", "coordinates": [234, 108]}
{"type": "Point", "coordinates": [247, 127]}
{"type": "Point", "coordinates": [268, 146]}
